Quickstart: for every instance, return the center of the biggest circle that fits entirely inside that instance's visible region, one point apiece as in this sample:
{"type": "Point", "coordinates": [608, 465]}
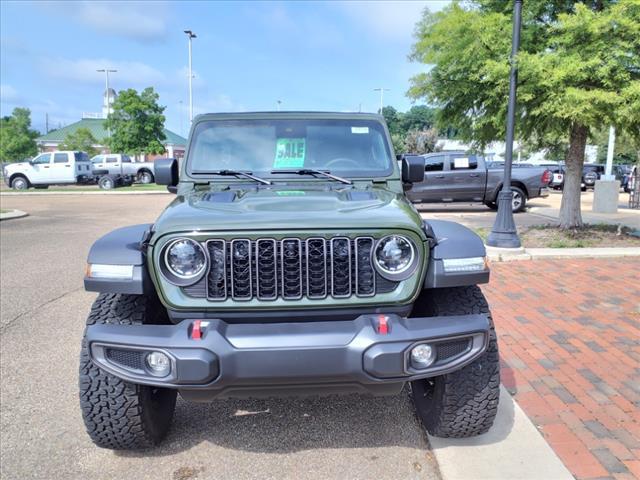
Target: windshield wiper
{"type": "Point", "coordinates": [234, 173]}
{"type": "Point", "coordinates": [311, 171]}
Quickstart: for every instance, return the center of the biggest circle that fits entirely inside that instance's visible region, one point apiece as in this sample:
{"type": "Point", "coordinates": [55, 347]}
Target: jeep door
{"type": "Point", "coordinates": [62, 168]}
{"type": "Point", "coordinates": [466, 177]}
{"type": "Point", "coordinates": [431, 189]}
{"type": "Point", "coordinates": [40, 168]}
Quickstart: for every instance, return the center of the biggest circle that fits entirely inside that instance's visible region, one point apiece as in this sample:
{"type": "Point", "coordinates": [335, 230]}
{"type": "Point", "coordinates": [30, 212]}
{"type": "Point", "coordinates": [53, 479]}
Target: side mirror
{"type": "Point", "coordinates": [166, 172]}
{"type": "Point", "coordinates": [412, 168]}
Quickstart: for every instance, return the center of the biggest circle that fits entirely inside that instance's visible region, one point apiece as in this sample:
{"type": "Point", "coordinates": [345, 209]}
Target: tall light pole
{"type": "Point", "coordinates": [504, 233]}
{"type": "Point", "coordinates": [191, 35]}
{"type": "Point", "coordinates": [381, 90]}
{"type": "Point", "coordinates": [278, 102]}
{"type": "Point", "coordinates": [106, 72]}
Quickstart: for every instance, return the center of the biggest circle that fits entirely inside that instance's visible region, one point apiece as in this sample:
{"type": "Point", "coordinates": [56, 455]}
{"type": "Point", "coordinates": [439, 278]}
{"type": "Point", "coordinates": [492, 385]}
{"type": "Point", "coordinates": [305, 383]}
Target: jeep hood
{"type": "Point", "coordinates": [289, 208]}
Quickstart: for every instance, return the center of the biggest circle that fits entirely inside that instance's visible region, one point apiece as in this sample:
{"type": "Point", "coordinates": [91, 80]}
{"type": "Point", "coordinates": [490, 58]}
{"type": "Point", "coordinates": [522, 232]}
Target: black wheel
{"type": "Point", "coordinates": [117, 414]}
{"type": "Point", "coordinates": [519, 200]}
{"type": "Point", "coordinates": [463, 403]}
{"type": "Point", "coordinates": [145, 177]}
{"type": "Point", "coordinates": [20, 183]}
{"type": "Point", "coordinates": [107, 182]}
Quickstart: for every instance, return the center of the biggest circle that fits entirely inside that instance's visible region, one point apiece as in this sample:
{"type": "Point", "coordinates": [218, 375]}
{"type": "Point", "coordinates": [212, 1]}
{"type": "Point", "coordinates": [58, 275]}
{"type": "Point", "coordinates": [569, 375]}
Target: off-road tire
{"type": "Point", "coordinates": [117, 414]}
{"type": "Point", "coordinates": [463, 403]}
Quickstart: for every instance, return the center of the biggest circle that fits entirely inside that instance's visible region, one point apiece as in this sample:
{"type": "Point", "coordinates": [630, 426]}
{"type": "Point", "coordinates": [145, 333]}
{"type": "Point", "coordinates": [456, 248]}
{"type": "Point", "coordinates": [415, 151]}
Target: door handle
{"type": "Point", "coordinates": [46, 166]}
{"type": "Point", "coordinates": [68, 166]}
{"type": "Point", "coordinates": [474, 174]}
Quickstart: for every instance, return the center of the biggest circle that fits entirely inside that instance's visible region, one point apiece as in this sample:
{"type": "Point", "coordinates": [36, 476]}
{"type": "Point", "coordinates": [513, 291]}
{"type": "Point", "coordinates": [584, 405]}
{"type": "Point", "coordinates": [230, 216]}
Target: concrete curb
{"type": "Point", "coordinates": [13, 214]}
{"type": "Point", "coordinates": [503, 255]}
{"type": "Point", "coordinates": [513, 449]}
{"type": "Point", "coordinates": [101, 192]}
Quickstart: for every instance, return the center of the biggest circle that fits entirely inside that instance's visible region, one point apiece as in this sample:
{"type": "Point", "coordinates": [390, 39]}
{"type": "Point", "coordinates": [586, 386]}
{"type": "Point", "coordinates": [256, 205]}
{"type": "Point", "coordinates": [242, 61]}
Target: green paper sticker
{"type": "Point", "coordinates": [290, 153]}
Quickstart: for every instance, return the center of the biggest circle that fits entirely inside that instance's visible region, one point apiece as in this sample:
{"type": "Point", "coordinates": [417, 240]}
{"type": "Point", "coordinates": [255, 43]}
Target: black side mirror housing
{"type": "Point", "coordinates": [166, 172]}
{"type": "Point", "coordinates": [412, 168]}
{"type": "Point", "coordinates": [172, 189]}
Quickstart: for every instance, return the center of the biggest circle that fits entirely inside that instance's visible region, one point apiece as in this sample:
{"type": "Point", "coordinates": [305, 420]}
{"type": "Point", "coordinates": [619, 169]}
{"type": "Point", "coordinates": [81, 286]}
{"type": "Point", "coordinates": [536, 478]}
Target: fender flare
{"type": "Point", "coordinates": [450, 240]}
{"type": "Point", "coordinates": [123, 246]}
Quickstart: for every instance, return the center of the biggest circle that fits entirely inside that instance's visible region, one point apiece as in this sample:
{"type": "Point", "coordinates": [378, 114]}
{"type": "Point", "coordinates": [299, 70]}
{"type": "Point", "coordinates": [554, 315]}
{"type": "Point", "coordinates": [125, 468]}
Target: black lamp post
{"type": "Point", "coordinates": [504, 233]}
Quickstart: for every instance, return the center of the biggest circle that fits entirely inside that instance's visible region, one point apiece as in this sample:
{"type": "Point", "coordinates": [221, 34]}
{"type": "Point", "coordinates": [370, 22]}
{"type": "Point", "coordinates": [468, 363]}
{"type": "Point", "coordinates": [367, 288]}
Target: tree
{"type": "Point", "coordinates": [419, 117]}
{"type": "Point", "coordinates": [82, 139]}
{"type": "Point", "coordinates": [578, 72]}
{"type": "Point", "coordinates": [137, 123]}
{"type": "Point", "coordinates": [17, 139]}
{"type": "Point", "coordinates": [421, 141]}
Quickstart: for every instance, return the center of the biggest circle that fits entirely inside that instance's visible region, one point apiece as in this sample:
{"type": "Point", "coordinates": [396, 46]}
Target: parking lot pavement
{"type": "Point", "coordinates": [570, 345]}
{"type": "Point", "coordinates": [43, 309]}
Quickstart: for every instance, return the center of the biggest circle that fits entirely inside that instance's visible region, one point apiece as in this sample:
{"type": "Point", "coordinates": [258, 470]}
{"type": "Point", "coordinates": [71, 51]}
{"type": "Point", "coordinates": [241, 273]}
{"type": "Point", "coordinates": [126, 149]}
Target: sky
{"type": "Point", "coordinates": [246, 57]}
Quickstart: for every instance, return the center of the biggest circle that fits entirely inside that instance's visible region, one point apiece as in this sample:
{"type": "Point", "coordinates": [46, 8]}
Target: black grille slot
{"type": "Point", "coordinates": [365, 274]}
{"type": "Point", "coordinates": [447, 350]}
{"type": "Point", "coordinates": [266, 264]}
{"type": "Point", "coordinates": [127, 358]}
{"type": "Point", "coordinates": [290, 268]}
{"type": "Point", "coordinates": [217, 278]}
{"type": "Point", "coordinates": [340, 267]}
{"type": "Point", "coordinates": [316, 268]}
{"type": "Point", "coordinates": [241, 288]}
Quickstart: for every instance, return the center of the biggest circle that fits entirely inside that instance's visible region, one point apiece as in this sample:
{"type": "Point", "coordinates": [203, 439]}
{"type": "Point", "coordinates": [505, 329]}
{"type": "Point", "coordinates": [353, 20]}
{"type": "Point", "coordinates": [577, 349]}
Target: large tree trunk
{"type": "Point", "coordinates": [570, 215]}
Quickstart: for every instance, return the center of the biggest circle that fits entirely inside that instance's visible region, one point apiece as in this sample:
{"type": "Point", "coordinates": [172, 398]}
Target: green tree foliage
{"type": "Point", "coordinates": [626, 148]}
{"type": "Point", "coordinates": [578, 72]}
{"type": "Point", "coordinates": [417, 122]}
{"type": "Point", "coordinates": [17, 139]}
{"type": "Point", "coordinates": [137, 123]}
{"type": "Point", "coordinates": [82, 140]}
{"type": "Point", "coordinates": [421, 141]}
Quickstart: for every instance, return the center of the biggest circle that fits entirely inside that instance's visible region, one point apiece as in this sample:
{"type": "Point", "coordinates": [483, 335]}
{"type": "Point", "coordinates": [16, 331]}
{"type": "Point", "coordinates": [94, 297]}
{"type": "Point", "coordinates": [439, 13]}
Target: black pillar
{"type": "Point", "coordinates": [504, 233]}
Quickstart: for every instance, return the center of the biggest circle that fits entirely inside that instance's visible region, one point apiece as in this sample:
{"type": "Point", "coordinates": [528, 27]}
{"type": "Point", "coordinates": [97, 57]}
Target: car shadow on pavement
{"type": "Point", "coordinates": [285, 425]}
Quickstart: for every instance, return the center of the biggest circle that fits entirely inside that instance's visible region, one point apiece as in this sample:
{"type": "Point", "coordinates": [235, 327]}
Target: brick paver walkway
{"type": "Point", "coordinates": [569, 335]}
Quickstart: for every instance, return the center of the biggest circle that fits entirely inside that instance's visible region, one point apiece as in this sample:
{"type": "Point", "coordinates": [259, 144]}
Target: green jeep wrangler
{"type": "Point", "coordinates": [289, 263]}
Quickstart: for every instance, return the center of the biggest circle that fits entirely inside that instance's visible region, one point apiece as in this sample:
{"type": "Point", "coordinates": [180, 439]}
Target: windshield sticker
{"type": "Point", "coordinates": [359, 129]}
{"type": "Point", "coordinates": [461, 162]}
{"type": "Point", "coordinates": [290, 153]}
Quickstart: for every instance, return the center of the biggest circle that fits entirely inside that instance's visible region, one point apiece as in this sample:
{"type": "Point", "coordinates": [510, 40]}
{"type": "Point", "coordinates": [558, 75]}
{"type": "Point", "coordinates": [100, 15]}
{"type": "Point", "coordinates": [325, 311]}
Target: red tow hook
{"type": "Point", "coordinates": [196, 330]}
{"type": "Point", "coordinates": [383, 324]}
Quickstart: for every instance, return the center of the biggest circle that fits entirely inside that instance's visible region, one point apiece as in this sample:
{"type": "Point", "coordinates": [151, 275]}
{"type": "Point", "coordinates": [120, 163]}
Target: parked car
{"type": "Point", "coordinates": [300, 268]}
{"type": "Point", "coordinates": [590, 173]}
{"type": "Point", "coordinates": [51, 168]}
{"type": "Point", "coordinates": [623, 173]}
{"type": "Point", "coordinates": [460, 177]}
{"type": "Point", "coordinates": [121, 164]}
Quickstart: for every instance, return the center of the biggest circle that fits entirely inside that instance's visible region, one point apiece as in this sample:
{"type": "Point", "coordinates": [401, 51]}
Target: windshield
{"type": "Point", "coordinates": [356, 148]}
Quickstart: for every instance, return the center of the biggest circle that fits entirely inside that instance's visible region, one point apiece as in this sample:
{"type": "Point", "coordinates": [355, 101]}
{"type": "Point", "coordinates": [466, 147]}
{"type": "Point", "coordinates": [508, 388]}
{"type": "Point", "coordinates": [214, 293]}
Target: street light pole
{"type": "Point", "coordinates": [381, 90]}
{"type": "Point", "coordinates": [504, 233]}
{"type": "Point", "coordinates": [278, 102]}
{"type": "Point", "coordinates": [106, 71]}
{"type": "Point", "coordinates": [191, 35]}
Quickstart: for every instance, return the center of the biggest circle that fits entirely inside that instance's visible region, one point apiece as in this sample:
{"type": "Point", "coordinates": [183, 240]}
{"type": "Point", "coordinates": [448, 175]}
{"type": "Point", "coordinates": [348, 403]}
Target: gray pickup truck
{"type": "Point", "coordinates": [120, 164]}
{"type": "Point", "coordinates": [457, 176]}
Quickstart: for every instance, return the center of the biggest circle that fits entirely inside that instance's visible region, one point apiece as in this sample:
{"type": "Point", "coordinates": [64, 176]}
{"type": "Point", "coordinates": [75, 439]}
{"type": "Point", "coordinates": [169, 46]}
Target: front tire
{"type": "Point", "coordinates": [117, 414]}
{"type": "Point", "coordinates": [20, 183]}
{"type": "Point", "coordinates": [107, 182]}
{"type": "Point", "coordinates": [145, 177]}
{"type": "Point", "coordinates": [463, 403]}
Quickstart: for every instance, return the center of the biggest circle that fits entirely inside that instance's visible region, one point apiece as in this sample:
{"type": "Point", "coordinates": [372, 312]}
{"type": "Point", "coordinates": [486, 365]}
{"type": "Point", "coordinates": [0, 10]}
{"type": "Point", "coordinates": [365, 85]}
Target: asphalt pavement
{"type": "Point", "coordinates": [42, 312]}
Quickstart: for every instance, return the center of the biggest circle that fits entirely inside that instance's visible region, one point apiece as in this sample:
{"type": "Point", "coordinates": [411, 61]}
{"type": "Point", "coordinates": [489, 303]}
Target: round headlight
{"type": "Point", "coordinates": [395, 257]}
{"type": "Point", "coordinates": [185, 258]}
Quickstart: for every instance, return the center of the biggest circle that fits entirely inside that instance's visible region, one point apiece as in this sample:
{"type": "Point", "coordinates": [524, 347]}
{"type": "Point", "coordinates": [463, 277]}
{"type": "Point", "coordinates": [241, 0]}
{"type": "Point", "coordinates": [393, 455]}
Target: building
{"type": "Point", "coordinates": [174, 144]}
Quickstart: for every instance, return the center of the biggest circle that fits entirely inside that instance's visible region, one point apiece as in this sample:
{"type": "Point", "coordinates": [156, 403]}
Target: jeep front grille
{"type": "Point", "coordinates": [290, 268]}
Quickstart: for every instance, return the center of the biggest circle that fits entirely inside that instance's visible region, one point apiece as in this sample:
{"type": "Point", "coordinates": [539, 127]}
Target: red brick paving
{"type": "Point", "coordinates": [569, 333]}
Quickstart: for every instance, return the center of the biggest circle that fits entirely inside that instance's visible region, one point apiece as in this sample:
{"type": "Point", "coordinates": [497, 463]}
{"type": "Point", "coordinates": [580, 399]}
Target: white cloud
{"type": "Point", "coordinates": [390, 19]}
{"type": "Point", "coordinates": [8, 94]}
{"type": "Point", "coordinates": [215, 103]}
{"type": "Point", "coordinates": [84, 70]}
{"type": "Point", "coordinates": [142, 21]}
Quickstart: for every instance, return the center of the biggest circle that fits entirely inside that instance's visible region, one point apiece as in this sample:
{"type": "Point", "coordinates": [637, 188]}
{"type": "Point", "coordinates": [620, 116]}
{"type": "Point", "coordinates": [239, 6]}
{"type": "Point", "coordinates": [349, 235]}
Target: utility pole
{"type": "Point", "coordinates": [106, 71]}
{"type": "Point", "coordinates": [381, 90]}
{"type": "Point", "coordinates": [278, 102]}
{"type": "Point", "coordinates": [191, 36]}
{"type": "Point", "coordinates": [46, 123]}
{"type": "Point", "coordinates": [504, 233]}
{"type": "Point", "coordinates": [180, 114]}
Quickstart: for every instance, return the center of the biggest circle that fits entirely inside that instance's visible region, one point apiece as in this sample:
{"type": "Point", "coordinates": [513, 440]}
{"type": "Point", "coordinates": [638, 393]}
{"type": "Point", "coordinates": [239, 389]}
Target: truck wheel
{"type": "Point", "coordinates": [145, 177]}
{"type": "Point", "coordinates": [117, 414]}
{"type": "Point", "coordinates": [519, 200]}
{"type": "Point", "coordinates": [20, 183]}
{"type": "Point", "coordinates": [107, 182]}
{"type": "Point", "coordinates": [463, 403]}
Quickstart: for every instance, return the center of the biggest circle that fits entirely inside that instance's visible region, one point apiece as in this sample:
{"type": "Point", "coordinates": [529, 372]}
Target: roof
{"type": "Point", "coordinates": [288, 115]}
{"type": "Point", "coordinates": [96, 127]}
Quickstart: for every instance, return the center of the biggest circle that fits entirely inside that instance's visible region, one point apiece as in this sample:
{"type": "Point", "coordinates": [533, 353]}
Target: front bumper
{"type": "Point", "coordinates": [238, 360]}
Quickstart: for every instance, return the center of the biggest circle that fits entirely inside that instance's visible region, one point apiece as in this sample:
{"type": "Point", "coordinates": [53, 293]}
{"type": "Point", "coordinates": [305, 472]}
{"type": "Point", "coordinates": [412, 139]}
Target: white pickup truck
{"type": "Point", "coordinates": [121, 164]}
{"type": "Point", "coordinates": [51, 168]}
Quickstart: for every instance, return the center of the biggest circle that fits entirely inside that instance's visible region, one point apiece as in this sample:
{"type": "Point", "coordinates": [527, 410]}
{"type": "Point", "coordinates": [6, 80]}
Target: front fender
{"type": "Point", "coordinates": [123, 246]}
{"type": "Point", "coordinates": [451, 240]}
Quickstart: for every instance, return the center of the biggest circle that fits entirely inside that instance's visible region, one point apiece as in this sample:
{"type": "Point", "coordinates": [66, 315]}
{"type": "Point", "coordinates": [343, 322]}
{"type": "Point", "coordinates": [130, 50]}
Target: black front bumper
{"type": "Point", "coordinates": [238, 360]}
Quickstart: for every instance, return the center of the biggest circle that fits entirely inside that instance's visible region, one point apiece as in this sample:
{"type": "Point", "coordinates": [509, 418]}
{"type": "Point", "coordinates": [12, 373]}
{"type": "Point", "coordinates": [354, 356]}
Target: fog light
{"type": "Point", "coordinates": [159, 364]}
{"type": "Point", "coordinates": [422, 356]}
